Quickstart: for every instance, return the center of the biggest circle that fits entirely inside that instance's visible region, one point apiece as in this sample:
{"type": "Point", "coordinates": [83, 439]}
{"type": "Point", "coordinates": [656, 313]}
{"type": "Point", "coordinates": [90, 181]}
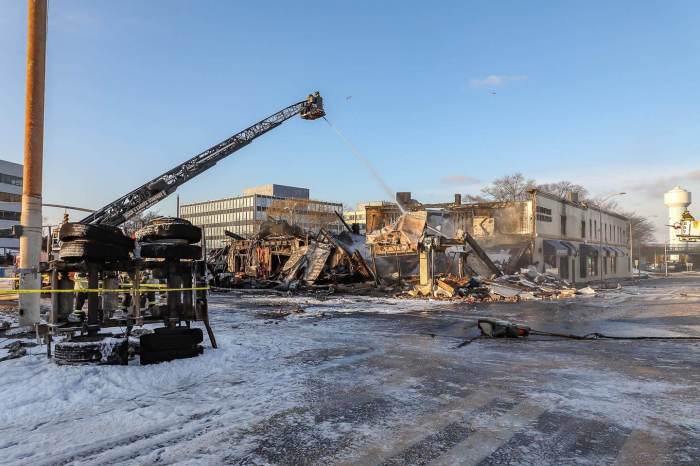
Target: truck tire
{"type": "Point", "coordinates": [89, 250]}
{"type": "Point", "coordinates": [170, 251]}
{"type": "Point", "coordinates": [171, 339]}
{"type": "Point", "coordinates": [92, 349]}
{"type": "Point", "coordinates": [154, 357]}
{"type": "Point", "coordinates": [161, 231]}
{"type": "Point", "coordinates": [101, 233]}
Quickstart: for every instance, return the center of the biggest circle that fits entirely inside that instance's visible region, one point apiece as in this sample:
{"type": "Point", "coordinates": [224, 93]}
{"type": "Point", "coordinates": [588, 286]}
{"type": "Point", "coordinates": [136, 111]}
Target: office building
{"type": "Point", "coordinates": [243, 214]}
{"type": "Point", "coordinates": [10, 202]}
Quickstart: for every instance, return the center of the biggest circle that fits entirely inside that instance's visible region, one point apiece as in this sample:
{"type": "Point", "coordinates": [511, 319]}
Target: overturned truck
{"type": "Point", "coordinates": [120, 278]}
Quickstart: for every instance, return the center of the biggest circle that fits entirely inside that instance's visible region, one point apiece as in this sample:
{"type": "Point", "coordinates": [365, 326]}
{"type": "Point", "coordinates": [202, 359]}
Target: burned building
{"type": "Point", "coordinates": [244, 214]}
{"type": "Point", "coordinates": [286, 257]}
{"type": "Point", "coordinates": [359, 215]}
{"type": "Point", "coordinates": [568, 238]}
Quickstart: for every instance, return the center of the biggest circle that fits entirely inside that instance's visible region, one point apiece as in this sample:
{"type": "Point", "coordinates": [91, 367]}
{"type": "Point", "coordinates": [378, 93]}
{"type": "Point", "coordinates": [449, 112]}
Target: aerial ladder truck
{"type": "Point", "coordinates": [97, 249]}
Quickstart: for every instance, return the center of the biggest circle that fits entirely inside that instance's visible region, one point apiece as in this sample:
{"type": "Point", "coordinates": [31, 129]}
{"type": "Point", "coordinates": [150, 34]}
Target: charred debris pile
{"type": "Point", "coordinates": [284, 257]}
{"type": "Point", "coordinates": [525, 285]}
{"type": "Point", "coordinates": [407, 258]}
{"type": "Point", "coordinates": [452, 265]}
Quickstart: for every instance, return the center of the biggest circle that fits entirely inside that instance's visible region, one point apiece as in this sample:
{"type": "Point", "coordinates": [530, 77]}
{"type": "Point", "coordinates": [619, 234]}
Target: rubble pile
{"type": "Point", "coordinates": [526, 285]}
{"type": "Point", "coordinates": [285, 258]}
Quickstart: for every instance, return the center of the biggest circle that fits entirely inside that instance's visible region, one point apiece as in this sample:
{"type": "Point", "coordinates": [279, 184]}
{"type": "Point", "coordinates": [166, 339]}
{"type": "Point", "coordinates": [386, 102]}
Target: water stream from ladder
{"type": "Point", "coordinates": [366, 162]}
{"type": "Point", "coordinates": [368, 165]}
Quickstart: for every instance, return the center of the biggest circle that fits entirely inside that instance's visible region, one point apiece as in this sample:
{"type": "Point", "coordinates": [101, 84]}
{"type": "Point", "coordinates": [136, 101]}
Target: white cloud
{"type": "Point", "coordinates": [495, 80]}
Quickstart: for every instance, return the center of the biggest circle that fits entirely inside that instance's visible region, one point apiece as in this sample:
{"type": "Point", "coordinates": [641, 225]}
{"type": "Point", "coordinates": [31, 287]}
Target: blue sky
{"type": "Point", "coordinates": [446, 96]}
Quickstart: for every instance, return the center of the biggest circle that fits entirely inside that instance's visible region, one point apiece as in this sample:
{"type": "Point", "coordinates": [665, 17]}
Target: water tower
{"type": "Point", "coordinates": [677, 200]}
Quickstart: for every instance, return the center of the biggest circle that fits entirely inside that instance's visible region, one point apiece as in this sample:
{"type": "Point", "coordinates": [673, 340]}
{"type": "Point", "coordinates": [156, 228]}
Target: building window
{"type": "Point", "coordinates": [583, 228]}
{"type": "Point", "coordinates": [595, 228]}
{"type": "Point", "coordinates": [8, 215]}
{"type": "Point", "coordinates": [10, 197]}
{"type": "Point", "coordinates": [592, 264]}
{"type": "Point", "coordinates": [544, 214]}
{"type": "Point", "coordinates": [9, 179]}
{"type": "Point", "coordinates": [563, 225]}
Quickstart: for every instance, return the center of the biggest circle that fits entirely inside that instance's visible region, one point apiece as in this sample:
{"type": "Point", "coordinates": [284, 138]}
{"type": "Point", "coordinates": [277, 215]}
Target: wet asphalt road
{"type": "Point", "coordinates": [352, 380]}
{"type": "Point", "coordinates": [377, 389]}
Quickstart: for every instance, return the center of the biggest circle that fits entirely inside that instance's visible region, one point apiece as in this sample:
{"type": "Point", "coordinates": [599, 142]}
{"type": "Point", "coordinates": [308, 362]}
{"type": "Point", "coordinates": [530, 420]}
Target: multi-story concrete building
{"type": "Point", "coordinates": [243, 215]}
{"type": "Point", "coordinates": [574, 240]}
{"type": "Point", "coordinates": [10, 201]}
{"type": "Point", "coordinates": [578, 241]}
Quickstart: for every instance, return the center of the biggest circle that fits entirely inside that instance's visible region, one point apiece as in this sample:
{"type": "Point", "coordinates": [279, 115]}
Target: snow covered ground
{"type": "Point", "coordinates": [361, 381]}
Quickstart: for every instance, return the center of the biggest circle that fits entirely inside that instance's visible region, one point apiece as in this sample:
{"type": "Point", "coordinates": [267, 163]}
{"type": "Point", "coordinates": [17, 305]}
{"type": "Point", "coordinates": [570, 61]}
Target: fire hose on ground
{"type": "Point", "coordinates": [495, 328]}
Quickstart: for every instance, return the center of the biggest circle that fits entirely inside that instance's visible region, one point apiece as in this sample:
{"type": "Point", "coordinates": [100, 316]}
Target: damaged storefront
{"type": "Point", "coordinates": [452, 264]}
{"type": "Point", "coordinates": [563, 237]}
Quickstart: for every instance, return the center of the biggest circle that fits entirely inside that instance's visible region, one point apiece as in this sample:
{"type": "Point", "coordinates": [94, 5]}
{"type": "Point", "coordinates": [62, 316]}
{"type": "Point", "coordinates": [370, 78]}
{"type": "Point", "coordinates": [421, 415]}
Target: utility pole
{"type": "Point", "coordinates": [30, 239]}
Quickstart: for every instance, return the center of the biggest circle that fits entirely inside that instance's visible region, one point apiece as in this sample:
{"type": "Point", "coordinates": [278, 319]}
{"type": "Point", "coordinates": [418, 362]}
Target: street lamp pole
{"type": "Point", "coordinates": [600, 233]}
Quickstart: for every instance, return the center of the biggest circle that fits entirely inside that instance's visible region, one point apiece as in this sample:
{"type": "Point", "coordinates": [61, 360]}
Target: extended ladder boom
{"type": "Point", "coordinates": [162, 186]}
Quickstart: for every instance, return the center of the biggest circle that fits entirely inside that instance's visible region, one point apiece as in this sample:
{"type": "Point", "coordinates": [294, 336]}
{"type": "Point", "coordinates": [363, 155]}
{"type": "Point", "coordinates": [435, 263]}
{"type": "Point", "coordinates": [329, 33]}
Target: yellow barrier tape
{"type": "Point", "coordinates": [104, 290]}
{"type": "Point", "coordinates": [144, 285]}
{"type": "Point", "coordinates": [10, 278]}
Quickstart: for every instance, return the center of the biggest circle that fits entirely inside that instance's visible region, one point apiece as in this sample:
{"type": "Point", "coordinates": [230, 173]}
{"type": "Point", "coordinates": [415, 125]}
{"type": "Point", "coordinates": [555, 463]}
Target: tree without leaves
{"type": "Point", "coordinates": [301, 212]}
{"type": "Point", "coordinates": [642, 228]}
{"type": "Point", "coordinates": [515, 188]}
{"type": "Point", "coordinates": [139, 221]}
{"type": "Point", "coordinates": [562, 188]}
{"type": "Point", "coordinates": [509, 188]}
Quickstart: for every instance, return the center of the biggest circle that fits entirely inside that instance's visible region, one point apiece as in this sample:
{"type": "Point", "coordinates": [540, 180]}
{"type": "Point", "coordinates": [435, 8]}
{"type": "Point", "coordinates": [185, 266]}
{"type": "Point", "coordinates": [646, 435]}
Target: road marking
{"type": "Point", "coordinates": [400, 440]}
{"type": "Point", "coordinates": [486, 439]}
